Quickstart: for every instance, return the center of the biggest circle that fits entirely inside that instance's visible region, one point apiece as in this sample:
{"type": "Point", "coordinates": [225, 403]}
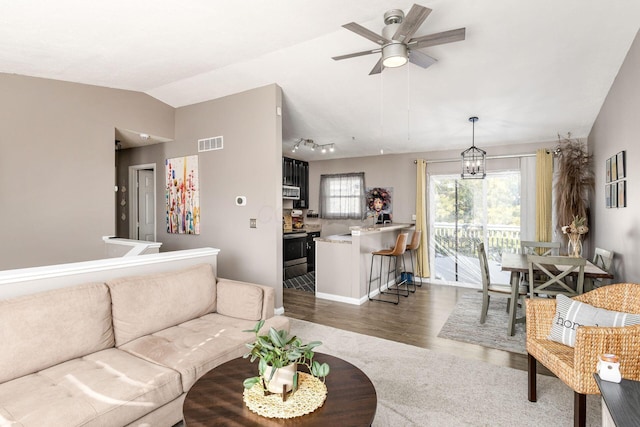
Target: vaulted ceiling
{"type": "Point", "coordinates": [530, 69]}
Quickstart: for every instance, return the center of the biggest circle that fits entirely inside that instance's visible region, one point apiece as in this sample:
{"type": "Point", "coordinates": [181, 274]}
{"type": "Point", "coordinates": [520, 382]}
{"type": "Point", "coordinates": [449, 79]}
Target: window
{"type": "Point", "coordinates": [342, 196]}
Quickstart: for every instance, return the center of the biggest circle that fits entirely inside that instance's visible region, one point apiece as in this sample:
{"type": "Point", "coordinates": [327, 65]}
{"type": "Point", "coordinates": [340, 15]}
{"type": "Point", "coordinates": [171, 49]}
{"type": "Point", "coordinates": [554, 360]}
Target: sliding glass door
{"type": "Point", "coordinates": [465, 212]}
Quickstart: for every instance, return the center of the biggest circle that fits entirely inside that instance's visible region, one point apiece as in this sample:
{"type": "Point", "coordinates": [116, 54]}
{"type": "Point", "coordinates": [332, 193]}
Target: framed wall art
{"type": "Point", "coordinates": [620, 164]}
{"type": "Point", "coordinates": [622, 194]}
{"type": "Point", "coordinates": [615, 193]}
{"type": "Point", "coordinates": [183, 195]}
{"type": "Point", "coordinates": [614, 169]}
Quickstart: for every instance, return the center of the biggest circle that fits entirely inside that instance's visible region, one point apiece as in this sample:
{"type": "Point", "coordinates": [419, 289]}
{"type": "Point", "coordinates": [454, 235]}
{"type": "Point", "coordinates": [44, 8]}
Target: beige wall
{"type": "Point", "coordinates": [249, 165]}
{"type": "Point", "coordinates": [399, 171]}
{"type": "Point", "coordinates": [615, 130]}
{"type": "Point", "coordinates": [57, 165]}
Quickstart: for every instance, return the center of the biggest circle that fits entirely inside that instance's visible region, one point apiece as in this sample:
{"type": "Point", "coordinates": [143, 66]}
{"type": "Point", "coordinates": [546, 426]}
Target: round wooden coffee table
{"type": "Point", "coordinates": [216, 398]}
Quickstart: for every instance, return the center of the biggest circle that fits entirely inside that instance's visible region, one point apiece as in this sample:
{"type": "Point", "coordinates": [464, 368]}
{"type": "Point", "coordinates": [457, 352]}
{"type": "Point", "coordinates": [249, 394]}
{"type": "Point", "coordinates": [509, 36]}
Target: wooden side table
{"type": "Point", "coordinates": [216, 398]}
{"type": "Point", "coordinates": [621, 402]}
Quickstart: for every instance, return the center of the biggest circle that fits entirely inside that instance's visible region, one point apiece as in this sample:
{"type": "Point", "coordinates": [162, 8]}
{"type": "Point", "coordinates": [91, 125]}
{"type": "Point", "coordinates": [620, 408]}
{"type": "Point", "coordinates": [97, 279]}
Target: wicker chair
{"type": "Point", "coordinates": [575, 366]}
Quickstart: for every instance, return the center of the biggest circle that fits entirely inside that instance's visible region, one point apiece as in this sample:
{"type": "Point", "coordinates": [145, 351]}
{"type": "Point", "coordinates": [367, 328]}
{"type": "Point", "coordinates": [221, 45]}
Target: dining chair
{"type": "Point", "coordinates": [493, 289]}
{"type": "Point", "coordinates": [528, 247]}
{"type": "Point", "coordinates": [554, 275]}
{"type": "Point", "coordinates": [602, 259]}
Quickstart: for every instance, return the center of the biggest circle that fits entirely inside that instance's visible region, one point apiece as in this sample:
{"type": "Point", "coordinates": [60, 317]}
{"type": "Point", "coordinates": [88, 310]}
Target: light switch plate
{"type": "Point", "coordinates": [252, 223]}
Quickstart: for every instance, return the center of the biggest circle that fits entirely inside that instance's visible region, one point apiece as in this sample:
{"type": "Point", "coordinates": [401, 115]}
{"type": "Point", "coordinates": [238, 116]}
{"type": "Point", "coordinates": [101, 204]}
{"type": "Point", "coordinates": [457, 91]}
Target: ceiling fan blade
{"type": "Point", "coordinates": [367, 34]}
{"type": "Point", "coordinates": [411, 22]}
{"type": "Point", "coordinates": [421, 59]}
{"type": "Point", "coordinates": [437, 39]}
{"type": "Point", "coordinates": [355, 54]}
{"type": "Point", "coordinates": [377, 69]}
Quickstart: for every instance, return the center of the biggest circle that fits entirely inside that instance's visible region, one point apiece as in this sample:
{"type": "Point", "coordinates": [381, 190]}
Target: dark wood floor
{"type": "Point", "coordinates": [417, 320]}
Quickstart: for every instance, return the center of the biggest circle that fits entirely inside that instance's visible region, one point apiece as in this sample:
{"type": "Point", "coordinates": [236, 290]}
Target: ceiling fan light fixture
{"type": "Point", "coordinates": [394, 55]}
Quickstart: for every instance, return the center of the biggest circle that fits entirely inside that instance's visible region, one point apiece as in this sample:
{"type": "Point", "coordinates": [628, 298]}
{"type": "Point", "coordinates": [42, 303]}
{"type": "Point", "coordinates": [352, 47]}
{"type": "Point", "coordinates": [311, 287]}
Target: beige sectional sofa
{"type": "Point", "coordinates": [125, 351]}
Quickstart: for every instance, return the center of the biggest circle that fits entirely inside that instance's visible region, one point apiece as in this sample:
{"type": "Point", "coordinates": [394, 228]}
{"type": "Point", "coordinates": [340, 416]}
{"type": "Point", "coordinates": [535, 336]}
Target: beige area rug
{"type": "Point", "coordinates": [464, 324]}
{"type": "Point", "coordinates": [421, 387]}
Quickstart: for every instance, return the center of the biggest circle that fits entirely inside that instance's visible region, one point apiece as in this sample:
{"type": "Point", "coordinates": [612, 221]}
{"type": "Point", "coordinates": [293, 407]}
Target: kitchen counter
{"type": "Point", "coordinates": [361, 231]}
{"type": "Point", "coordinates": [343, 261]}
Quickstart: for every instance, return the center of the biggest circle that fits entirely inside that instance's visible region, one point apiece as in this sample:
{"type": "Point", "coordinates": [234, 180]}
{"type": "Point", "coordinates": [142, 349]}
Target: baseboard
{"type": "Point", "coordinates": [339, 298]}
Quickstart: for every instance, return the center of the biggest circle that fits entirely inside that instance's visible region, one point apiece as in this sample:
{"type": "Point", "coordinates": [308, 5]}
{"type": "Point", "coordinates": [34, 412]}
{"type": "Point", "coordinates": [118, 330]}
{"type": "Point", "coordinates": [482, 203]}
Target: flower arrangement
{"type": "Point", "coordinates": [577, 228]}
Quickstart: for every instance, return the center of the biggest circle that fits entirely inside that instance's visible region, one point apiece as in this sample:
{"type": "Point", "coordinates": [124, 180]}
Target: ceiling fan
{"type": "Point", "coordinates": [396, 42]}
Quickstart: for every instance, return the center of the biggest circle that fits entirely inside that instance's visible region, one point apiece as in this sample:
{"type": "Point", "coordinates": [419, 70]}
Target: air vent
{"type": "Point", "coordinates": [210, 144]}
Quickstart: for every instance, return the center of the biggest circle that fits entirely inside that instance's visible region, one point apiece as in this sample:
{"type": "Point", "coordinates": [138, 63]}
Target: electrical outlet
{"type": "Point", "coordinates": [252, 223]}
{"type": "Point", "coordinates": [413, 217]}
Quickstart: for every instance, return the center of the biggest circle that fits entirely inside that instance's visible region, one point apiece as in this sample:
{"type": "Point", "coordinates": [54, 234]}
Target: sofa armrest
{"type": "Point", "coordinates": [592, 341]}
{"type": "Point", "coordinates": [540, 313]}
{"type": "Point", "coordinates": [245, 300]}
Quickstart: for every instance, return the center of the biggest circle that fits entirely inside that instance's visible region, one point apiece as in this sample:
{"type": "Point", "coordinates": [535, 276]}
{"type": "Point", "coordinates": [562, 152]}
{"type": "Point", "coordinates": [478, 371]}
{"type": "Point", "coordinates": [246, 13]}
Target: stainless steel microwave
{"type": "Point", "coordinates": [290, 192]}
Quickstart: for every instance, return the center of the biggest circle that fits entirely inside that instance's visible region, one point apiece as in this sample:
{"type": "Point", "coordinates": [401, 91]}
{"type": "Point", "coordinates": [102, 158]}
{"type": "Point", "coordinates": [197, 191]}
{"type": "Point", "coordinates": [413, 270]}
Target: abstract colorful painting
{"type": "Point", "coordinates": [183, 195]}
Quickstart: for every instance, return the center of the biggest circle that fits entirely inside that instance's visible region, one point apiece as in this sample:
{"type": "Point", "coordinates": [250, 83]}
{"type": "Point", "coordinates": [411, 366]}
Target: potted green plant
{"type": "Point", "coordinates": [279, 354]}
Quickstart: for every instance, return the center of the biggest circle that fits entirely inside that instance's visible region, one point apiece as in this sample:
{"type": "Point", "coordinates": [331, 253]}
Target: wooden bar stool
{"type": "Point", "coordinates": [396, 253]}
{"type": "Point", "coordinates": [412, 248]}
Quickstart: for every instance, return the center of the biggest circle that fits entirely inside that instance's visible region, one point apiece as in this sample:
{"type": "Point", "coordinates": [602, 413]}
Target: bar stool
{"type": "Point", "coordinates": [412, 248]}
{"type": "Point", "coordinates": [397, 253]}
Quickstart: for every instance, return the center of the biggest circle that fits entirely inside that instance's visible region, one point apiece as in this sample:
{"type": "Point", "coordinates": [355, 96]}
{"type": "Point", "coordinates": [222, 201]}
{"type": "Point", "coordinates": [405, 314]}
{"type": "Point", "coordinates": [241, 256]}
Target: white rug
{"type": "Point", "coordinates": [420, 387]}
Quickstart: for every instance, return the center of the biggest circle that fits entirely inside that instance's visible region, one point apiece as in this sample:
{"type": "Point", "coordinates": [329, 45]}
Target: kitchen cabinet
{"type": "Point", "coordinates": [296, 173]}
{"type": "Point", "coordinates": [311, 250]}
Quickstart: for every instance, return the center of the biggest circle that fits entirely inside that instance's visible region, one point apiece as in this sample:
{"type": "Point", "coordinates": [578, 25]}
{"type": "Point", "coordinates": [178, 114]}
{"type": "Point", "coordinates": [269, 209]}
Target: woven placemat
{"type": "Point", "coordinates": [310, 395]}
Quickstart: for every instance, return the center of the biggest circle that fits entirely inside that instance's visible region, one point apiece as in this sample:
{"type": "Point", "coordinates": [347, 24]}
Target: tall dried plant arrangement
{"type": "Point", "coordinates": [574, 182]}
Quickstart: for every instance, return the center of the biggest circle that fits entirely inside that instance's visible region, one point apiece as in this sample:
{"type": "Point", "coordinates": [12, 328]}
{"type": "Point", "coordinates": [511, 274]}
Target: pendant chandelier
{"type": "Point", "coordinates": [473, 158]}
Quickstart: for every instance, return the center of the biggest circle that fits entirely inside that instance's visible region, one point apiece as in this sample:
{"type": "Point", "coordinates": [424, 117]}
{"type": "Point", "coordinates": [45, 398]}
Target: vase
{"type": "Point", "coordinates": [281, 377]}
{"type": "Point", "coordinates": [574, 248]}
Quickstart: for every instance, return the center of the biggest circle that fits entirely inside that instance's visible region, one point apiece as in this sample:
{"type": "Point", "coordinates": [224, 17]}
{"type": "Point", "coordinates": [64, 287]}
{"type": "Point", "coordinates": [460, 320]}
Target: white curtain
{"type": "Point", "coordinates": [528, 198]}
{"type": "Point", "coordinates": [342, 196]}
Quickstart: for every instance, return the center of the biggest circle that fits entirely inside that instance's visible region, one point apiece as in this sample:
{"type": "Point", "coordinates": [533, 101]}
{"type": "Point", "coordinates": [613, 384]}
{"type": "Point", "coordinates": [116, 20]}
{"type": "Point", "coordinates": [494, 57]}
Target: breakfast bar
{"type": "Point", "coordinates": [343, 261]}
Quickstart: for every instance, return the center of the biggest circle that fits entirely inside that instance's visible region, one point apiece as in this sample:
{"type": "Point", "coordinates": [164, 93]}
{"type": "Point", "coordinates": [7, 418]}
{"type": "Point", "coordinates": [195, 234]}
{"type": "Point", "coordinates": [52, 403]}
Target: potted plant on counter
{"type": "Point", "coordinates": [279, 356]}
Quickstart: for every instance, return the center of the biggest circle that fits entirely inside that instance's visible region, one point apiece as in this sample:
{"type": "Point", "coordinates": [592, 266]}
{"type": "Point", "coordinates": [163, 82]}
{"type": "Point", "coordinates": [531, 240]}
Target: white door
{"type": "Point", "coordinates": [146, 205]}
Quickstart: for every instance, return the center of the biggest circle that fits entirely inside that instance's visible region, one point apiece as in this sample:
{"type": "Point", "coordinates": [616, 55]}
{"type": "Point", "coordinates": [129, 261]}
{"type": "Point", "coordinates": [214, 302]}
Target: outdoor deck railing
{"type": "Point", "coordinates": [499, 239]}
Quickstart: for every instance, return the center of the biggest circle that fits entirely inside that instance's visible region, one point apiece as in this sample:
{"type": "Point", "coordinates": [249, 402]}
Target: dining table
{"type": "Point", "coordinates": [517, 264]}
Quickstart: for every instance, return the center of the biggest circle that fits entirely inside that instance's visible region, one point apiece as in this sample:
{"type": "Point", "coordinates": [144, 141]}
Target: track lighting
{"type": "Point", "coordinates": [313, 146]}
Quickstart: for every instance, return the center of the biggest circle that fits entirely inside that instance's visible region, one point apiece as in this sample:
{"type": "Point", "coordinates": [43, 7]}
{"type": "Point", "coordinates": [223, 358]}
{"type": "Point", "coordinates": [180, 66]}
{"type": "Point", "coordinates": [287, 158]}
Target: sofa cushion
{"type": "Point", "coordinates": [248, 307]}
{"type": "Point", "coordinates": [145, 304]}
{"type": "Point", "coordinates": [107, 388]}
{"type": "Point", "coordinates": [199, 345]}
{"type": "Point", "coordinates": [51, 327]}
{"type": "Point", "coordinates": [571, 314]}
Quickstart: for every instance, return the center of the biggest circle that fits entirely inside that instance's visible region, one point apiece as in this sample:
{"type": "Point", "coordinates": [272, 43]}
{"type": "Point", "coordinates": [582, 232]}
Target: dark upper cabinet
{"type": "Point", "coordinates": [296, 173]}
{"type": "Point", "coordinates": [287, 171]}
{"type": "Point", "coordinates": [303, 183]}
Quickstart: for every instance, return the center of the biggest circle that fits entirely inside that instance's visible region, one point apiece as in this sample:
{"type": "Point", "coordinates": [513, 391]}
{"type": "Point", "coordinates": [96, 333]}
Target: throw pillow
{"type": "Point", "coordinates": [570, 314]}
